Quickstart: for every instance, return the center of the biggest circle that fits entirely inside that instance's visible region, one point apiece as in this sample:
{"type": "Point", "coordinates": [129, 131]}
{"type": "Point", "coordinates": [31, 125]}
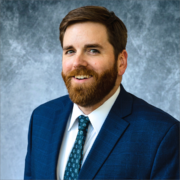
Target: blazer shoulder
{"type": "Point", "coordinates": [54, 105]}
{"type": "Point", "coordinates": [142, 107]}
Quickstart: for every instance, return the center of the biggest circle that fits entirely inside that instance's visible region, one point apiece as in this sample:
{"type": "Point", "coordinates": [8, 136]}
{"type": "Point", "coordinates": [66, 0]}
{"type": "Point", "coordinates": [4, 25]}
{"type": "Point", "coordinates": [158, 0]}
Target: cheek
{"type": "Point", "coordinates": [97, 65]}
{"type": "Point", "coordinates": [66, 66]}
{"type": "Point", "coordinates": [100, 66]}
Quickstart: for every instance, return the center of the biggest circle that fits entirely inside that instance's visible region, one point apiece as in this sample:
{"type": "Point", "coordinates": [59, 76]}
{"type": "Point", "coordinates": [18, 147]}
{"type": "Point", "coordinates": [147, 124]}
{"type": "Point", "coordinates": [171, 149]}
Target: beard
{"type": "Point", "coordinates": [89, 94]}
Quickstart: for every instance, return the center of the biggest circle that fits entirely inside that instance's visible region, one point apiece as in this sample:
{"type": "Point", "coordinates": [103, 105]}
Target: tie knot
{"type": "Point", "coordinates": [83, 123]}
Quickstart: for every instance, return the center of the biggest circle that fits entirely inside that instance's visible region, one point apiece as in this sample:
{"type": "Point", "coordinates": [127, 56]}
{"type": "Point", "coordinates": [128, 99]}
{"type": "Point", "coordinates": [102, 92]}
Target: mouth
{"type": "Point", "coordinates": [81, 77]}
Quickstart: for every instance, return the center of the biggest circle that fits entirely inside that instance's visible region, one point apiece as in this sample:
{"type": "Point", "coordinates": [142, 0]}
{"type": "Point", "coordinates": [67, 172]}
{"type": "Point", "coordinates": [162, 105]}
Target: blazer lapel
{"type": "Point", "coordinates": [111, 131]}
{"type": "Point", "coordinates": [55, 138]}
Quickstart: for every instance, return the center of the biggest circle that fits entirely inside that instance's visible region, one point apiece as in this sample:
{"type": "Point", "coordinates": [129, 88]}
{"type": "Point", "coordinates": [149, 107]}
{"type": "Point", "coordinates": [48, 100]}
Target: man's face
{"type": "Point", "coordinates": [89, 68]}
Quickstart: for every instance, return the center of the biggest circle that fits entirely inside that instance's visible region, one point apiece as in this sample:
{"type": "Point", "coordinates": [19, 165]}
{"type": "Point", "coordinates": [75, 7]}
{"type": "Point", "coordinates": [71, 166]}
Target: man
{"type": "Point", "coordinates": [99, 131]}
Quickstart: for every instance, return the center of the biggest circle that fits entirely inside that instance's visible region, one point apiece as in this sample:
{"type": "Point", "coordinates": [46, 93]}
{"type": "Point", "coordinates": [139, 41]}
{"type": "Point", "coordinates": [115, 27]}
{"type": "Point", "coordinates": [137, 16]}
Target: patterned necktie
{"type": "Point", "coordinates": [75, 159]}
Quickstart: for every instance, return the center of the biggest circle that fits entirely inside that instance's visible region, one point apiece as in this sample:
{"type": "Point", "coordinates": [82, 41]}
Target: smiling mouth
{"type": "Point", "coordinates": [80, 77]}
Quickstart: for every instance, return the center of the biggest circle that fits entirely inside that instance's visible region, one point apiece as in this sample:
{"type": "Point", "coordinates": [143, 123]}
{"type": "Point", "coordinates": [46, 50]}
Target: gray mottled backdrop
{"type": "Point", "coordinates": [31, 62]}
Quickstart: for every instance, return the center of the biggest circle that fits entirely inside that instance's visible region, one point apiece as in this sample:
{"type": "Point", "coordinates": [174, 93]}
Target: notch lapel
{"type": "Point", "coordinates": [55, 138]}
{"type": "Point", "coordinates": [111, 131]}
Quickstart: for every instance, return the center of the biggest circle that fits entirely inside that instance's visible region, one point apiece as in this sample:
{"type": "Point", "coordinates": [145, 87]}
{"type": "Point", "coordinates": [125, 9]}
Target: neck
{"type": "Point", "coordinates": [88, 110]}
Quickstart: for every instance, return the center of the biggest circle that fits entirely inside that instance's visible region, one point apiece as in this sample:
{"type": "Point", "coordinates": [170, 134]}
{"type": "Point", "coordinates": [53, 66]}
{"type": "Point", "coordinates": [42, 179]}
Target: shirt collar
{"type": "Point", "coordinates": [98, 116]}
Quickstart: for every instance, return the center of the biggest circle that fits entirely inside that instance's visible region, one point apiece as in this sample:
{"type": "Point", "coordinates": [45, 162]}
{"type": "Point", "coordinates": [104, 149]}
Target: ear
{"type": "Point", "coordinates": [122, 62]}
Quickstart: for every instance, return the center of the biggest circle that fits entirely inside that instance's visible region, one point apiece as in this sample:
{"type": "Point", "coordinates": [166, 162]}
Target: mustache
{"type": "Point", "coordinates": [82, 71]}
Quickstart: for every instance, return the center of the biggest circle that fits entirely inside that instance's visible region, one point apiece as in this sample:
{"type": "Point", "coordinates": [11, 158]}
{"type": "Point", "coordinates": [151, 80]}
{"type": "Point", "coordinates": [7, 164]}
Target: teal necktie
{"type": "Point", "coordinates": [75, 159]}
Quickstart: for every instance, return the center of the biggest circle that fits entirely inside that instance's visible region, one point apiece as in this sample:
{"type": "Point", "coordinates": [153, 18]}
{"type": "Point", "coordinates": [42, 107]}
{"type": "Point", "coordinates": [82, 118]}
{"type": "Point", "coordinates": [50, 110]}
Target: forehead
{"type": "Point", "coordinates": [85, 32]}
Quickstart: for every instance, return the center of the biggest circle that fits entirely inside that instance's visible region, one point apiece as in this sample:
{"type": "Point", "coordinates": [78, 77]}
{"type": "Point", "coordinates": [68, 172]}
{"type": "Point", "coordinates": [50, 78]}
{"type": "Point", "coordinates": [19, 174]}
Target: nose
{"type": "Point", "coordinates": [79, 60]}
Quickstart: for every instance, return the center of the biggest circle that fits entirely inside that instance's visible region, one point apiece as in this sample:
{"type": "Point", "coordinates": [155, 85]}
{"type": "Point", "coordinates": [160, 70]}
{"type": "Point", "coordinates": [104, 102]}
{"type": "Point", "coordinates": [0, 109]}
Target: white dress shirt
{"type": "Point", "coordinates": [97, 118]}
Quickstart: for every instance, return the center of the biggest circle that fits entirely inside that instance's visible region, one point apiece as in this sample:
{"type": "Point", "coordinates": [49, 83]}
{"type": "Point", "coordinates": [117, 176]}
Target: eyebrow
{"type": "Point", "coordinates": [93, 46]}
{"type": "Point", "coordinates": [86, 46]}
{"type": "Point", "coordinates": [67, 47]}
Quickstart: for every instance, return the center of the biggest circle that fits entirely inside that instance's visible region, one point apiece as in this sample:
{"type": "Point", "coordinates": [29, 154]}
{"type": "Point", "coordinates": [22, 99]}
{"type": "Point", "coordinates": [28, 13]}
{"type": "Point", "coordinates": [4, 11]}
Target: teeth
{"type": "Point", "coordinates": [82, 76]}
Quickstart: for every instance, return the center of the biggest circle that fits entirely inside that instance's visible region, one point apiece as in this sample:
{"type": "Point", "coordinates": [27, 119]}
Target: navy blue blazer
{"type": "Point", "coordinates": [136, 141]}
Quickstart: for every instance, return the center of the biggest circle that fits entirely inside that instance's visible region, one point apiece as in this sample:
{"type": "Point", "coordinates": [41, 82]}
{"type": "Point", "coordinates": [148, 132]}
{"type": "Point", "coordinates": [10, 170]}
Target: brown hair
{"type": "Point", "coordinates": [116, 30]}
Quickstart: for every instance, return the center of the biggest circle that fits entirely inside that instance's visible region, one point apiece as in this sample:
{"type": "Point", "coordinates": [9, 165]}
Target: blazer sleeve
{"type": "Point", "coordinates": [27, 170]}
{"type": "Point", "coordinates": [166, 162]}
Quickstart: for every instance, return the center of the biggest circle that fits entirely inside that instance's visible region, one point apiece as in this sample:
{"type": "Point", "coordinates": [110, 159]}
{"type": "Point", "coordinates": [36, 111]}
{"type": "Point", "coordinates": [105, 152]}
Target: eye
{"type": "Point", "coordinates": [69, 52]}
{"type": "Point", "coordinates": [93, 51]}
